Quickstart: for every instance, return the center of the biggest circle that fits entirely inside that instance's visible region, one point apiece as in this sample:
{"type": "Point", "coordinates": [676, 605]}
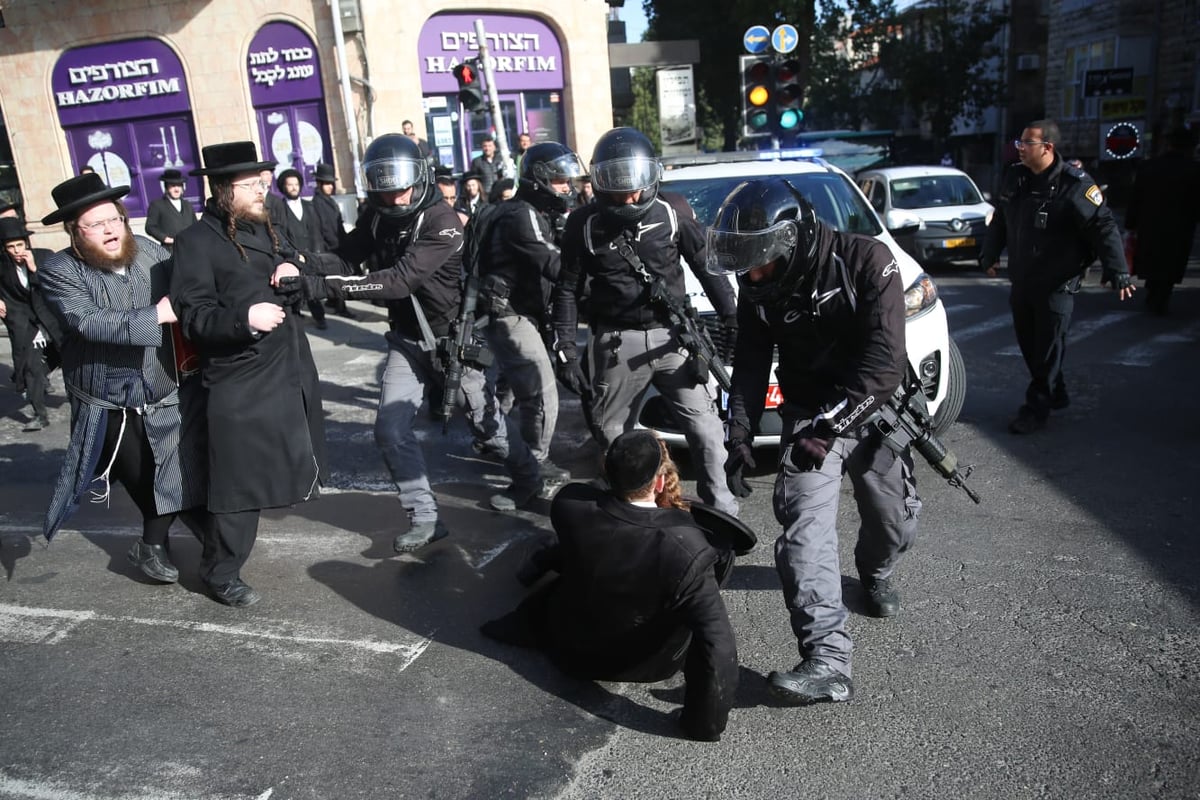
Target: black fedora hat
{"type": "Point", "coordinates": [230, 159]}
{"type": "Point", "coordinates": [74, 195]}
{"type": "Point", "coordinates": [324, 174]}
{"type": "Point", "coordinates": [13, 228]}
{"type": "Point", "coordinates": [172, 177]}
{"type": "Point", "coordinates": [288, 173]}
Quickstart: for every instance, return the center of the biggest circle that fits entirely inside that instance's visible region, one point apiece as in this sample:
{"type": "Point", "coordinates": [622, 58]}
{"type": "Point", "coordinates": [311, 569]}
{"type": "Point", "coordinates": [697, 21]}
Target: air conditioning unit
{"type": "Point", "coordinates": [1028, 62]}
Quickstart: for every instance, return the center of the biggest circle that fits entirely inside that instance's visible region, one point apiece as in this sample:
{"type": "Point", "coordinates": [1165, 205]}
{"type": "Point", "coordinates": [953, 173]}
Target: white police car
{"type": "Point", "coordinates": [838, 202]}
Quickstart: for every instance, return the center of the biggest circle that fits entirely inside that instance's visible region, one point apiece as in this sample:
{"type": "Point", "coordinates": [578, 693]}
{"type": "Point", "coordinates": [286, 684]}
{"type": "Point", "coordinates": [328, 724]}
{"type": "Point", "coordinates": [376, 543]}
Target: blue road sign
{"type": "Point", "coordinates": [756, 39]}
{"type": "Point", "coordinates": [785, 38]}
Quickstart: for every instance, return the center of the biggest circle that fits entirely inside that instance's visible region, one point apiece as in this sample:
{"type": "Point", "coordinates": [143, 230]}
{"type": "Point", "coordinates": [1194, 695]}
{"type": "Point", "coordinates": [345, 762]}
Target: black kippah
{"type": "Point", "coordinates": [632, 461]}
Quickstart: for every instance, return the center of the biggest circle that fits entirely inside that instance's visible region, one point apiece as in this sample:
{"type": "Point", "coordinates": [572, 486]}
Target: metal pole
{"type": "Point", "coordinates": [339, 45]}
{"type": "Point", "coordinates": [494, 102]}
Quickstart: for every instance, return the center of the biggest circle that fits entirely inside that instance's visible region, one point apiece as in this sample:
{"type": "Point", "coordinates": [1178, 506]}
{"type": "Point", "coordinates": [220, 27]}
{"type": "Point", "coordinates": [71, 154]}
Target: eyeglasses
{"type": "Point", "coordinates": [254, 186]}
{"type": "Point", "coordinates": [97, 227]}
{"type": "Point", "coordinates": [1021, 144]}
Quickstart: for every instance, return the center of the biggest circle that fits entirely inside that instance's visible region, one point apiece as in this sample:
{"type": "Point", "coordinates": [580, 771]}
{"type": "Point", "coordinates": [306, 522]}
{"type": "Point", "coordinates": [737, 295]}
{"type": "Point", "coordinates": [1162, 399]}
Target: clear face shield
{"type": "Point", "coordinates": [566, 167]}
{"type": "Point", "coordinates": [731, 252]}
{"type": "Point", "coordinates": [394, 175]}
{"type": "Point", "coordinates": [626, 175]}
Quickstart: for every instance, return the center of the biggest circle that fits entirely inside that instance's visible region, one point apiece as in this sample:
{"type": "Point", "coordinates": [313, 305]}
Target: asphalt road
{"type": "Point", "coordinates": [1047, 648]}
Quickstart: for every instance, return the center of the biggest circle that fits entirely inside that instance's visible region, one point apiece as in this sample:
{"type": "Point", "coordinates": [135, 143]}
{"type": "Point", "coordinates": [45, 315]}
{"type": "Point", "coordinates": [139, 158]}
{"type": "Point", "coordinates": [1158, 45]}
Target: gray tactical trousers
{"type": "Point", "coordinates": [624, 365]}
{"type": "Point", "coordinates": [409, 370]}
{"type": "Point", "coordinates": [521, 353]}
{"type": "Point", "coordinates": [806, 555]}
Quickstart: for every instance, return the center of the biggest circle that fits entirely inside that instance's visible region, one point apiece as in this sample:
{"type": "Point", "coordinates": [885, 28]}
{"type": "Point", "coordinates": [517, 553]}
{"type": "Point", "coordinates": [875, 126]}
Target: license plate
{"type": "Point", "coordinates": [774, 398]}
{"type": "Point", "coordinates": [966, 241]}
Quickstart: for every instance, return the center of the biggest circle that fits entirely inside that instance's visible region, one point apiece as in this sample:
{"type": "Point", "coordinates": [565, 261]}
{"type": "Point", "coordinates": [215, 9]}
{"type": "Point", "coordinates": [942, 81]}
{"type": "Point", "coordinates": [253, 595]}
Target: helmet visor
{"type": "Point", "coordinates": [731, 252]}
{"type": "Point", "coordinates": [626, 175]}
{"type": "Point", "coordinates": [566, 167]}
{"type": "Point", "coordinates": [393, 174]}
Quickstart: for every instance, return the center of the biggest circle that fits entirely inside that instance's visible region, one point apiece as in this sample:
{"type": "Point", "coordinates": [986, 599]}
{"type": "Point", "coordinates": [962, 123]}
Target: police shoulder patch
{"type": "Point", "coordinates": [1094, 195]}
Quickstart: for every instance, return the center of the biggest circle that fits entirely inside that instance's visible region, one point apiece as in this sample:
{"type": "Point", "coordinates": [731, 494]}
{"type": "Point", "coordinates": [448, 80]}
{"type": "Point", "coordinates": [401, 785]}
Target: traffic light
{"type": "Point", "coordinates": [788, 116]}
{"type": "Point", "coordinates": [470, 88]}
{"type": "Point", "coordinates": [756, 94]}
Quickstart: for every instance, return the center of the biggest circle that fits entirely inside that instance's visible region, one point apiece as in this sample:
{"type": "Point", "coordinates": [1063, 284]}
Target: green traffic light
{"type": "Point", "coordinates": [757, 120]}
{"type": "Point", "coordinates": [790, 119]}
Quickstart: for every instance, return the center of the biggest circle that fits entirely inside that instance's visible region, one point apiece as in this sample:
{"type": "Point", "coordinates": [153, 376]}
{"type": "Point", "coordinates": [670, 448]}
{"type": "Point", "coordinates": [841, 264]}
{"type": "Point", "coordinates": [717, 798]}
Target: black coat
{"type": "Point", "coordinates": [163, 221]}
{"type": "Point", "coordinates": [27, 312]}
{"type": "Point", "coordinates": [1164, 210]}
{"type": "Point", "coordinates": [266, 426]}
{"type": "Point", "coordinates": [330, 224]}
{"type": "Point", "coordinates": [634, 584]}
{"type": "Point", "coordinates": [302, 234]}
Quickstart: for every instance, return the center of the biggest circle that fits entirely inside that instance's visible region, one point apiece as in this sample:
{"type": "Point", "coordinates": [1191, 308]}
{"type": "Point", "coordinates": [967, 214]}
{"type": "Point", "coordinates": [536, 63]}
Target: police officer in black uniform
{"type": "Point", "coordinates": [1053, 219]}
{"type": "Point", "coordinates": [629, 239]}
{"type": "Point", "coordinates": [416, 240]}
{"type": "Point", "coordinates": [519, 265]}
{"type": "Point", "coordinates": [833, 304]}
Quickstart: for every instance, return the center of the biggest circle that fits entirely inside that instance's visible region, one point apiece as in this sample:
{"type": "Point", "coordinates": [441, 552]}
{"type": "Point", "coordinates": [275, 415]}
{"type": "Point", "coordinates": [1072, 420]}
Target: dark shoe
{"type": "Point", "coordinates": [37, 423]}
{"type": "Point", "coordinates": [514, 497]}
{"type": "Point", "coordinates": [236, 593]}
{"type": "Point", "coordinates": [321, 324]}
{"type": "Point", "coordinates": [346, 313]}
{"type": "Point", "coordinates": [882, 599]}
{"type": "Point", "coordinates": [489, 450]}
{"type": "Point", "coordinates": [810, 682]}
{"type": "Point", "coordinates": [1027, 421]}
{"type": "Point", "coordinates": [552, 473]}
{"type": "Point", "coordinates": [1060, 400]}
{"type": "Point", "coordinates": [153, 561]}
{"type": "Point", "coordinates": [419, 535]}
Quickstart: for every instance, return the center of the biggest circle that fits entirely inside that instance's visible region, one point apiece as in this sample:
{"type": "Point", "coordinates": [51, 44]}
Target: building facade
{"type": "Point", "coordinates": [131, 88]}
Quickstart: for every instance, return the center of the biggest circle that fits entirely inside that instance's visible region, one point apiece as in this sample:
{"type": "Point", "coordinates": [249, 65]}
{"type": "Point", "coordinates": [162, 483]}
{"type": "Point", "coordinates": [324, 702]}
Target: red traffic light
{"type": "Point", "coordinates": [465, 74]}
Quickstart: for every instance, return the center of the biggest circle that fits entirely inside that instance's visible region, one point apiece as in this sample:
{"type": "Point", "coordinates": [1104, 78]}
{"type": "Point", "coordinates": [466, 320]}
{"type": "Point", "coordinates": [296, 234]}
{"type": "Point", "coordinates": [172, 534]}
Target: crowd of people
{"type": "Point", "coordinates": [169, 342]}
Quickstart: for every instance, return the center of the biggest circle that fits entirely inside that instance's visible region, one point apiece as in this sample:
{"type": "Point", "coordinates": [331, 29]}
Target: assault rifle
{"type": "Point", "coordinates": [461, 347]}
{"type": "Point", "coordinates": [693, 336]}
{"type": "Point", "coordinates": [904, 421]}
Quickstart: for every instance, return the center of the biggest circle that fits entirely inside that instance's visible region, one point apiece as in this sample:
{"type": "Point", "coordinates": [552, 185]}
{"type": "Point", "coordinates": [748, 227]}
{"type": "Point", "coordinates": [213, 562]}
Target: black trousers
{"type": "Point", "coordinates": [132, 465]}
{"type": "Point", "coordinates": [227, 546]}
{"type": "Point", "coordinates": [1041, 320]}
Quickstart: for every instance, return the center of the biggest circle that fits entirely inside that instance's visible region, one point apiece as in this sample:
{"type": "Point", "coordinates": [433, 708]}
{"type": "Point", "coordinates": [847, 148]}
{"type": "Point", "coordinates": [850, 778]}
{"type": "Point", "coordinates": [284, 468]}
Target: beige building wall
{"type": "Point", "coordinates": [212, 40]}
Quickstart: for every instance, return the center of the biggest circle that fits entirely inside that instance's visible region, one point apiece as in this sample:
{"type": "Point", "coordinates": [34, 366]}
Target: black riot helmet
{"type": "Point", "coordinates": [393, 163]}
{"type": "Point", "coordinates": [545, 162]}
{"type": "Point", "coordinates": [764, 222]}
{"type": "Point", "coordinates": [623, 163]}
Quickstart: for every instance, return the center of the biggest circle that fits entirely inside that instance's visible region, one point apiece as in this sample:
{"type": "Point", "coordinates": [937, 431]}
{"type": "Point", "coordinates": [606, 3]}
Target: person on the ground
{"type": "Point", "coordinates": [1054, 222]}
{"type": "Point", "coordinates": [637, 596]}
{"type": "Point", "coordinates": [833, 305]}
{"type": "Point", "coordinates": [266, 426]}
{"type": "Point", "coordinates": [134, 418]}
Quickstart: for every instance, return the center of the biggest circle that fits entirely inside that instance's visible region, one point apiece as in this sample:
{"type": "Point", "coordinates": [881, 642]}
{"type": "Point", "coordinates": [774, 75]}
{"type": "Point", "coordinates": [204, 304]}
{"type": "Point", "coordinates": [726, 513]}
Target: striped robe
{"type": "Point", "coordinates": [110, 321]}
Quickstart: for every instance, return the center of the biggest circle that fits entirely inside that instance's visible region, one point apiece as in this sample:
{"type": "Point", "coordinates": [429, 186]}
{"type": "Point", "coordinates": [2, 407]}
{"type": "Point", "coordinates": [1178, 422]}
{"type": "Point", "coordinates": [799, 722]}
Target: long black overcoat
{"type": "Point", "coordinates": [266, 427]}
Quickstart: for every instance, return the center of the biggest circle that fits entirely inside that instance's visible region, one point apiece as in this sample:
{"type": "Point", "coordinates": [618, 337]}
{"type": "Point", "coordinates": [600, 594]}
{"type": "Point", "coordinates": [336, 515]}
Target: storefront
{"type": "Point", "coordinates": [527, 62]}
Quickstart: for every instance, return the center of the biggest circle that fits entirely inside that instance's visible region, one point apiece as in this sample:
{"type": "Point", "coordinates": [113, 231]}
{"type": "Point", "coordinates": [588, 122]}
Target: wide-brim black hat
{"type": "Point", "coordinates": [288, 173]}
{"type": "Point", "coordinates": [230, 159]}
{"type": "Point", "coordinates": [725, 531]}
{"type": "Point", "coordinates": [172, 177]}
{"type": "Point", "coordinates": [632, 461]}
{"type": "Point", "coordinates": [13, 228]}
{"type": "Point", "coordinates": [324, 174]}
{"type": "Point", "coordinates": [74, 195]}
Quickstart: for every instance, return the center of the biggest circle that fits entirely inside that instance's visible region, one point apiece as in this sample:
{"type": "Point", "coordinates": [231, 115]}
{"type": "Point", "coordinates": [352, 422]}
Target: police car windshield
{"type": "Point", "coordinates": [837, 202]}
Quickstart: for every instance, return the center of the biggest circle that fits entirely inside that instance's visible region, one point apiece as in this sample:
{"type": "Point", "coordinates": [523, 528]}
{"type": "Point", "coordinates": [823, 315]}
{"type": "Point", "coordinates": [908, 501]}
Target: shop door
{"type": "Point", "coordinates": [292, 135]}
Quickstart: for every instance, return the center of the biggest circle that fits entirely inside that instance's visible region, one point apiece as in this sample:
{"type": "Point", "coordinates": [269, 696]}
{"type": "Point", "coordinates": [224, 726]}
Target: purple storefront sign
{"type": "Point", "coordinates": [119, 80]}
{"type": "Point", "coordinates": [525, 54]}
{"type": "Point", "coordinates": [282, 66]}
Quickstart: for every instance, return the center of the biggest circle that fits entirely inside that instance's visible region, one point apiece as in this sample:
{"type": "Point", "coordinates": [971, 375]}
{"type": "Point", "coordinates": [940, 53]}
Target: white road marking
{"type": "Point", "coordinates": [980, 328]}
{"type": "Point", "coordinates": [958, 308]}
{"type": "Point", "coordinates": [1144, 354]}
{"type": "Point", "coordinates": [54, 790]}
{"type": "Point", "coordinates": [1079, 331]}
{"type": "Point", "coordinates": [53, 624]}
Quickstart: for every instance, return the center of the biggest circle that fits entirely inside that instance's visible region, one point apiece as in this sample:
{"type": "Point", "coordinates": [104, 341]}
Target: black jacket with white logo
{"type": "Point", "coordinates": [419, 257]}
{"type": "Point", "coordinates": [840, 339]}
{"type": "Point", "coordinates": [620, 298]}
{"type": "Point", "coordinates": [520, 248]}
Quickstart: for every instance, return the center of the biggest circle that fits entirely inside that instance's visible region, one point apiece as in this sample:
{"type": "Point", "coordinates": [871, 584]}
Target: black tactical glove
{"type": "Point", "coordinates": [740, 458]}
{"type": "Point", "coordinates": [809, 450]}
{"type": "Point", "coordinates": [570, 374]}
{"type": "Point", "coordinates": [289, 289]}
{"type": "Point", "coordinates": [317, 288]}
{"type": "Point", "coordinates": [1119, 280]}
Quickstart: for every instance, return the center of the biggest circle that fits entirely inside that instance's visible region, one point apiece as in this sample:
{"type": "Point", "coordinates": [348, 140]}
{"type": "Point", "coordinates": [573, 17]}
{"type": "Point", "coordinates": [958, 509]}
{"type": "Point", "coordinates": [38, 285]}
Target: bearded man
{"type": "Point", "coordinates": [266, 435]}
{"type": "Point", "coordinates": [131, 419]}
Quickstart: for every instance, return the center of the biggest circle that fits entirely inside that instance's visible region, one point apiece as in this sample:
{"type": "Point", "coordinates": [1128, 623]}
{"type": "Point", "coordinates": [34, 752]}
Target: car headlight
{"type": "Point", "coordinates": [921, 296]}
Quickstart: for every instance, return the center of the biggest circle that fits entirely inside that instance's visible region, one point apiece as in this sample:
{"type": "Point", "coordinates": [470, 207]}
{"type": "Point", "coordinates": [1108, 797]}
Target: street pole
{"type": "Point", "coordinates": [494, 102]}
{"type": "Point", "coordinates": [339, 46]}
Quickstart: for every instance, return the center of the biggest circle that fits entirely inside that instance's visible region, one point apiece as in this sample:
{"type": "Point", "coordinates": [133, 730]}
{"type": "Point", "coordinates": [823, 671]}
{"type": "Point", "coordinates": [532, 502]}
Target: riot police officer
{"type": "Point", "coordinates": [833, 303]}
{"type": "Point", "coordinates": [1053, 219]}
{"type": "Point", "coordinates": [519, 264]}
{"type": "Point", "coordinates": [628, 242]}
{"type": "Point", "coordinates": [416, 240]}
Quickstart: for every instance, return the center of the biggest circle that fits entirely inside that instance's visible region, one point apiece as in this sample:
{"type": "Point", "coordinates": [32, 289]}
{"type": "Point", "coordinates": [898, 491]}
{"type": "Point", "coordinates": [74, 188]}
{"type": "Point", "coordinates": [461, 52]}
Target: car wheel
{"type": "Point", "coordinates": [956, 392]}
